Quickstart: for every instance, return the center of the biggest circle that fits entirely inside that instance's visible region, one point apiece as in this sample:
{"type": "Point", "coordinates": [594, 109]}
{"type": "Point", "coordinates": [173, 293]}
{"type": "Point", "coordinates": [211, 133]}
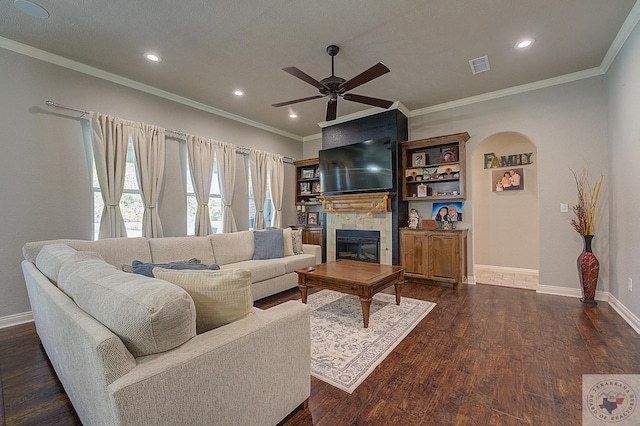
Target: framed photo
{"type": "Point", "coordinates": [312, 218]}
{"type": "Point", "coordinates": [418, 159]}
{"type": "Point", "coordinates": [315, 187]}
{"type": "Point", "coordinates": [302, 218]}
{"type": "Point", "coordinates": [307, 174]}
{"type": "Point", "coordinates": [447, 212]}
{"type": "Point", "coordinates": [507, 180]}
{"type": "Point", "coordinates": [448, 154]}
{"type": "Point", "coordinates": [305, 187]}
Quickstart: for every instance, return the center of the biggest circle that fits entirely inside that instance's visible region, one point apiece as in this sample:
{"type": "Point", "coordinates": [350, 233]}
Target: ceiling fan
{"type": "Point", "coordinates": [334, 86]}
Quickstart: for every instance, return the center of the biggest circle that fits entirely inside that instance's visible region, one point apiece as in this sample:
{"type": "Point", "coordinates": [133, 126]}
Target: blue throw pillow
{"type": "Point", "coordinates": [147, 268]}
{"type": "Point", "coordinates": [268, 244]}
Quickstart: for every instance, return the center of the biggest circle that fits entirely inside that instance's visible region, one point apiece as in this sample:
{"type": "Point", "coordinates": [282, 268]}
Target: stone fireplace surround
{"type": "Point", "coordinates": [349, 207]}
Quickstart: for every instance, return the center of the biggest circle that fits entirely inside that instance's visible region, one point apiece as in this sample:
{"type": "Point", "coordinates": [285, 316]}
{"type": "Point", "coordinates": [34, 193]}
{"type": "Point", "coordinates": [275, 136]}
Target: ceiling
{"type": "Point", "coordinates": [211, 48]}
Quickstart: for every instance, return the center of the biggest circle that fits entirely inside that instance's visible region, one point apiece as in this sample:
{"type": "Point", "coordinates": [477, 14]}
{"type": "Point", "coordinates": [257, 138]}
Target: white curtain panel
{"type": "Point", "coordinates": [201, 153]}
{"type": "Point", "coordinates": [226, 160]}
{"type": "Point", "coordinates": [149, 147]}
{"type": "Point", "coordinates": [259, 169]}
{"type": "Point", "coordinates": [109, 142]}
{"type": "Point", "coordinates": [276, 178]}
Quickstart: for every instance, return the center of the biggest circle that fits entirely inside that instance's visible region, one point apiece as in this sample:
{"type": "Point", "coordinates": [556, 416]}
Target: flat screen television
{"type": "Point", "coordinates": [359, 167]}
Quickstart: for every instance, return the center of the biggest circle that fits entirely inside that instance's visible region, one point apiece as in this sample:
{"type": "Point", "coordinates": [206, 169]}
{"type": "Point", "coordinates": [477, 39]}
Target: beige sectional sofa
{"type": "Point", "coordinates": [125, 347]}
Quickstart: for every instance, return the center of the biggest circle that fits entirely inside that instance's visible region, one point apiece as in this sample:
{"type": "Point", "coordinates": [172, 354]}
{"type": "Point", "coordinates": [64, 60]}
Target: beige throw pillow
{"type": "Point", "coordinates": [220, 297]}
{"type": "Point", "coordinates": [288, 242]}
{"type": "Point", "coordinates": [296, 237]}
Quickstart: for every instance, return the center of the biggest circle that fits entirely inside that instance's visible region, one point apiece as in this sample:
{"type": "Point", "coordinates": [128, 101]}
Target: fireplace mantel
{"type": "Point", "coordinates": [358, 203]}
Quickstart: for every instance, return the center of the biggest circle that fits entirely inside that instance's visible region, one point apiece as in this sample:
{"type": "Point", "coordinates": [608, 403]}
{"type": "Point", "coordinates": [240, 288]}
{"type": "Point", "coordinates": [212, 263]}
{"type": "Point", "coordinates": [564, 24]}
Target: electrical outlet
{"type": "Point", "coordinates": [564, 208]}
{"type": "Point", "coordinates": [630, 284]}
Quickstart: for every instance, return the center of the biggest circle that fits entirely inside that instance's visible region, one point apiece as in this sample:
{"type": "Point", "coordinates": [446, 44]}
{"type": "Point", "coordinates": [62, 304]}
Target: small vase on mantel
{"type": "Point", "coordinates": [588, 269]}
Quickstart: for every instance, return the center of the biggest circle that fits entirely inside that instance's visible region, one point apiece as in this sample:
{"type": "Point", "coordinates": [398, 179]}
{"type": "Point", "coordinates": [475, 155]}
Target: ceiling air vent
{"type": "Point", "coordinates": [479, 65]}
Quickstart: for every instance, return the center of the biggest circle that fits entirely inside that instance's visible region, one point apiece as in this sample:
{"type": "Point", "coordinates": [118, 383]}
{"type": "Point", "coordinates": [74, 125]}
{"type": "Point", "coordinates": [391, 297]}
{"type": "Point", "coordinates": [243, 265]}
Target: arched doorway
{"type": "Point", "coordinates": [504, 185]}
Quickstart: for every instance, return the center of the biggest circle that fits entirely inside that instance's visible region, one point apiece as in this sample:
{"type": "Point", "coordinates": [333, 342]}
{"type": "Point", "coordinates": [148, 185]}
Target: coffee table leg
{"type": "Point", "coordinates": [302, 285]}
{"type": "Point", "coordinates": [366, 305]}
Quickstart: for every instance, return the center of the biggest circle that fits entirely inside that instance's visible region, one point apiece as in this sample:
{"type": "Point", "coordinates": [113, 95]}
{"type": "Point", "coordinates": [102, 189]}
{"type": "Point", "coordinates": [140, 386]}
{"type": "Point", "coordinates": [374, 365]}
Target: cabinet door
{"type": "Point", "coordinates": [312, 236]}
{"type": "Point", "coordinates": [413, 252]}
{"type": "Point", "coordinates": [444, 257]}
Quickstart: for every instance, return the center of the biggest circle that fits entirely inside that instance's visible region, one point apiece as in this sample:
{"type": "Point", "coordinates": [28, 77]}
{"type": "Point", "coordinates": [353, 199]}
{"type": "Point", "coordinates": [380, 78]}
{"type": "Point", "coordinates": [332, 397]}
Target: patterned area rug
{"type": "Point", "coordinates": [343, 353]}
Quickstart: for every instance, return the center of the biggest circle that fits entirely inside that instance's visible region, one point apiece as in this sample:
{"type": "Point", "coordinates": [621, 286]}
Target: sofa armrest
{"type": "Point", "coordinates": [313, 249]}
{"type": "Point", "coordinates": [253, 371]}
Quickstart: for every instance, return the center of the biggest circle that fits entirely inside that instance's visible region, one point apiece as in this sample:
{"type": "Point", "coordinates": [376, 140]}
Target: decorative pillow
{"type": "Point", "coordinates": [288, 242]}
{"type": "Point", "coordinates": [296, 239]}
{"type": "Point", "coordinates": [147, 268]}
{"type": "Point", "coordinates": [220, 297]}
{"type": "Point", "coordinates": [268, 244]}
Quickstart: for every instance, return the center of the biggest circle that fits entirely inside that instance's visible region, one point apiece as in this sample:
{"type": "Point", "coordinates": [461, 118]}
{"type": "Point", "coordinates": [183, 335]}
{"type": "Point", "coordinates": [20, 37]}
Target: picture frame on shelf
{"type": "Point", "coordinates": [448, 154]}
{"type": "Point", "coordinates": [305, 188]}
{"type": "Point", "coordinates": [413, 175]}
{"type": "Point", "coordinates": [302, 218]}
{"type": "Point", "coordinates": [312, 218]}
{"type": "Point", "coordinates": [505, 180]}
{"type": "Point", "coordinates": [307, 173]}
{"type": "Point", "coordinates": [315, 188]}
{"type": "Point", "coordinates": [418, 159]}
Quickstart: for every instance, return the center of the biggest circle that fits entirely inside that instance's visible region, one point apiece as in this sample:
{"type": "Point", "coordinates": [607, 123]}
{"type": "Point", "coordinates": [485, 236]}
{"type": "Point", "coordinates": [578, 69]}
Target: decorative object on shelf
{"type": "Point", "coordinates": [414, 219]}
{"type": "Point", "coordinates": [448, 155]}
{"type": "Point", "coordinates": [418, 159]}
{"type": "Point", "coordinates": [312, 218]}
{"type": "Point", "coordinates": [302, 218]}
{"type": "Point", "coordinates": [583, 223]}
{"type": "Point", "coordinates": [422, 190]}
{"type": "Point", "coordinates": [308, 173]}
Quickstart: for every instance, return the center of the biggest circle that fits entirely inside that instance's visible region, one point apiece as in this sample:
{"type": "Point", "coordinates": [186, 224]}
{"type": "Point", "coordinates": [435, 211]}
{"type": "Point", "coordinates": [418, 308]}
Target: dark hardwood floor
{"type": "Point", "coordinates": [483, 356]}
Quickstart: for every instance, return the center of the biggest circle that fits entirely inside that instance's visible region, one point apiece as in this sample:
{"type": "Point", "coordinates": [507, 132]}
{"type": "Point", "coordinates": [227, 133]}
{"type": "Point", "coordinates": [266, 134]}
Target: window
{"type": "Point", "coordinates": [215, 204]}
{"type": "Point", "coordinates": [131, 204]}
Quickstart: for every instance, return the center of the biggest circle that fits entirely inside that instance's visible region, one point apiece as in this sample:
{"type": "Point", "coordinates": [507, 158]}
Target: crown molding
{"type": "Point", "coordinates": [625, 31]}
{"type": "Point", "coordinates": [95, 72]}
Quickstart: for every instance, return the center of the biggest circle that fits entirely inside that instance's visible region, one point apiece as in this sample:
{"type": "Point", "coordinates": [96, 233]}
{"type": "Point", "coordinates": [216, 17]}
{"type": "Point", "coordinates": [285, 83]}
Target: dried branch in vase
{"type": "Point", "coordinates": [585, 210]}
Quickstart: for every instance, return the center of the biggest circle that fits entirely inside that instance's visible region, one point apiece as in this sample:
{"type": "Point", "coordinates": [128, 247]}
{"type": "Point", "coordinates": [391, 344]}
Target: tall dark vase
{"type": "Point", "coordinates": [588, 269]}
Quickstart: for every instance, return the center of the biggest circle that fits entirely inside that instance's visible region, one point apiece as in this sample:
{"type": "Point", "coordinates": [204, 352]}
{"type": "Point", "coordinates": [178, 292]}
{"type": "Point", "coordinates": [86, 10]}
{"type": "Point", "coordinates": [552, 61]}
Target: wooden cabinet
{"type": "Point", "coordinates": [430, 255]}
{"type": "Point", "coordinates": [307, 182]}
{"type": "Point", "coordinates": [433, 169]}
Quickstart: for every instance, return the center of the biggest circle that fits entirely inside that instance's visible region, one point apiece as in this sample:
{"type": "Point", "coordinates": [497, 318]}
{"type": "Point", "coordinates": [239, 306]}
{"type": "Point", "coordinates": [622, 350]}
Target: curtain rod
{"type": "Point", "coordinates": [243, 150]}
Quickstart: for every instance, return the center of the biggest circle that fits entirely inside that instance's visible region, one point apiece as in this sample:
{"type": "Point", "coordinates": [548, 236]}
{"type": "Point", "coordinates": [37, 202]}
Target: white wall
{"type": "Point", "coordinates": [623, 88]}
{"type": "Point", "coordinates": [568, 125]}
{"type": "Point", "coordinates": [45, 167]}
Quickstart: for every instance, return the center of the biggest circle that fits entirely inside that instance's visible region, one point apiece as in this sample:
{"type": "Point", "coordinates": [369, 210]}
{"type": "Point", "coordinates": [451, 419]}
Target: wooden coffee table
{"type": "Point", "coordinates": [361, 279]}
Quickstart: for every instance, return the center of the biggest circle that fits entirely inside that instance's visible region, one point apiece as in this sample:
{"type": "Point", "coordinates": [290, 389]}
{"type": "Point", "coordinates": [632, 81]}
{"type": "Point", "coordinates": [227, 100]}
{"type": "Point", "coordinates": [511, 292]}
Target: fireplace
{"type": "Point", "coordinates": [355, 244]}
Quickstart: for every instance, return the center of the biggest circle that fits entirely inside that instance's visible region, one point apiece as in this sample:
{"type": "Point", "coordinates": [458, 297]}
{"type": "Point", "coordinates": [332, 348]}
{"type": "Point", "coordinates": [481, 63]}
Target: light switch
{"type": "Point", "coordinates": [564, 208]}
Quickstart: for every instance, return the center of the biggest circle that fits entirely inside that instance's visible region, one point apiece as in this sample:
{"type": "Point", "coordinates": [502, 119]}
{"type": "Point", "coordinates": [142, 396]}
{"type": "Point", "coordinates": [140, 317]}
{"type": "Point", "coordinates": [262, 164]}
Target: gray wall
{"type": "Point", "coordinates": [623, 88]}
{"type": "Point", "coordinates": [45, 166]}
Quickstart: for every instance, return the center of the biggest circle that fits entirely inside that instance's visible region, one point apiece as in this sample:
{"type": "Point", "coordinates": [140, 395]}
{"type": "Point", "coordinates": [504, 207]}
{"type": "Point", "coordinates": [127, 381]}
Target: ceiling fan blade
{"type": "Point", "coordinates": [374, 72]}
{"type": "Point", "coordinates": [332, 109]}
{"type": "Point", "coordinates": [295, 101]}
{"type": "Point", "coordinates": [304, 77]}
{"type": "Point", "coordinates": [367, 100]}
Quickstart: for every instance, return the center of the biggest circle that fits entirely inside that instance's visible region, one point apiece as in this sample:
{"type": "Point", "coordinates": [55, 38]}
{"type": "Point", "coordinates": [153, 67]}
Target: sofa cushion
{"type": "Point", "coordinates": [288, 242]}
{"type": "Point", "coordinates": [149, 315]}
{"type": "Point", "coordinates": [296, 240]}
{"type": "Point", "coordinates": [232, 247]}
{"type": "Point", "coordinates": [268, 244]}
{"type": "Point", "coordinates": [171, 249]}
{"type": "Point", "coordinates": [220, 297]}
{"type": "Point", "coordinates": [147, 268]}
{"type": "Point", "coordinates": [260, 269]}
{"type": "Point", "coordinates": [50, 259]}
{"type": "Point", "coordinates": [291, 263]}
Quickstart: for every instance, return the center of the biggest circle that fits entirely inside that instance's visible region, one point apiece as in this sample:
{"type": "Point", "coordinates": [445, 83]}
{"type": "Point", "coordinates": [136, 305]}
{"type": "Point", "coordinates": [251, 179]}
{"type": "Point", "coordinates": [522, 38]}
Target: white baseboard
{"type": "Point", "coordinates": [11, 320]}
{"type": "Point", "coordinates": [570, 292]}
{"type": "Point", "coordinates": [625, 313]}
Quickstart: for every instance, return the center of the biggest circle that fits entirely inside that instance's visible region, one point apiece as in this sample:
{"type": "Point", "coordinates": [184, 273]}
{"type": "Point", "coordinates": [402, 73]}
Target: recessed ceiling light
{"type": "Point", "coordinates": [524, 43]}
{"type": "Point", "coordinates": [152, 57]}
{"type": "Point", "coordinates": [238, 93]}
{"type": "Point", "coordinates": [293, 115]}
{"type": "Point", "coordinates": [31, 9]}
